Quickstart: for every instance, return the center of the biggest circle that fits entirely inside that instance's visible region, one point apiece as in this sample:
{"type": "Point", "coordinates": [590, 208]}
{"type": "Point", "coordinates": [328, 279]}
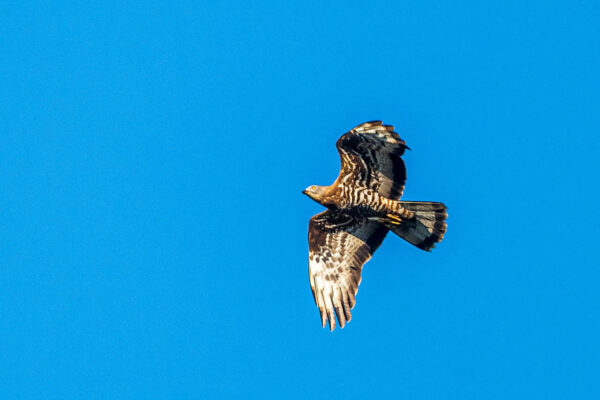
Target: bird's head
{"type": "Point", "coordinates": [315, 192]}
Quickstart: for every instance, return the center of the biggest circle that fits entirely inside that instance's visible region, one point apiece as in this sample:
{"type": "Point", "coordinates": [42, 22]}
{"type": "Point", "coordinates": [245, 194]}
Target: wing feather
{"type": "Point", "coordinates": [371, 156]}
{"type": "Point", "coordinates": [339, 246]}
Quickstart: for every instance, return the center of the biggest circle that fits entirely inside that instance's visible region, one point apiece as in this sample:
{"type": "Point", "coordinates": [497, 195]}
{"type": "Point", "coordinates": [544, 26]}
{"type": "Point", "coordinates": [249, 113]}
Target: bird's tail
{"type": "Point", "coordinates": [426, 228]}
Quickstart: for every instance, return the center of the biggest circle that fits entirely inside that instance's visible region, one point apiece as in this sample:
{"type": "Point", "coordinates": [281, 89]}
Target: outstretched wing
{"type": "Point", "coordinates": [339, 245]}
{"type": "Point", "coordinates": [371, 155]}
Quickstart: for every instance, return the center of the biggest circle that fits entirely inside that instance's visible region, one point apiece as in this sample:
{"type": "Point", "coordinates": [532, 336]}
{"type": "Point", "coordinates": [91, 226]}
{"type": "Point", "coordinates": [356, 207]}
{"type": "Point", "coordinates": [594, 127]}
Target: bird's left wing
{"type": "Point", "coordinates": [339, 245]}
{"type": "Point", "coordinates": [371, 155]}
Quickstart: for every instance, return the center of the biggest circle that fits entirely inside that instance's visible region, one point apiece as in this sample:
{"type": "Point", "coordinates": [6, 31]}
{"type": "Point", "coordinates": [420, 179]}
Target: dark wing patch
{"type": "Point", "coordinates": [371, 155]}
{"type": "Point", "coordinates": [339, 245]}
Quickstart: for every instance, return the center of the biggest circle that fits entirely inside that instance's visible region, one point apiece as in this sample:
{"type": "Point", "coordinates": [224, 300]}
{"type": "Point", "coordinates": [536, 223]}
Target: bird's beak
{"type": "Point", "coordinates": [304, 191]}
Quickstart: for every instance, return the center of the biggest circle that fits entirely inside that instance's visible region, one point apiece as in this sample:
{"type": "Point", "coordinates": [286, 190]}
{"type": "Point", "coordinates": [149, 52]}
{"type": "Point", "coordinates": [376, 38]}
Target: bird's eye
{"type": "Point", "coordinates": [313, 188]}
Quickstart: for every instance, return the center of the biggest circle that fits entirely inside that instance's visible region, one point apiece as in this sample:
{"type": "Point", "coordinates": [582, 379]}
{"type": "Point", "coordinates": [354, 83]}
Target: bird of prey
{"type": "Point", "coordinates": [363, 204]}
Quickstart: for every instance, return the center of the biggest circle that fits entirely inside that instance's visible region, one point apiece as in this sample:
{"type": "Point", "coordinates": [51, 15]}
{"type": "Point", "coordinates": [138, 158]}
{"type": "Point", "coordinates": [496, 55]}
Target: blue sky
{"type": "Point", "coordinates": [154, 232]}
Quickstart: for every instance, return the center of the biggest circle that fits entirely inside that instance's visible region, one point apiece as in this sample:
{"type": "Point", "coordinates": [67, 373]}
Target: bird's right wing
{"type": "Point", "coordinates": [339, 245]}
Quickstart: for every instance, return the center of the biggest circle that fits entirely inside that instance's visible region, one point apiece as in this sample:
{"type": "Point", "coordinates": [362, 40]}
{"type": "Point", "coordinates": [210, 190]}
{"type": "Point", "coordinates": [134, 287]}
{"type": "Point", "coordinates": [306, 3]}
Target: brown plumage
{"type": "Point", "coordinates": [362, 206]}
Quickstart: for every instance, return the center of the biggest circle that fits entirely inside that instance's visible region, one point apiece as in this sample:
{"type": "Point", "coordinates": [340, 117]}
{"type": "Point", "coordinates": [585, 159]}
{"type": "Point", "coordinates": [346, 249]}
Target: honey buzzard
{"type": "Point", "coordinates": [362, 206]}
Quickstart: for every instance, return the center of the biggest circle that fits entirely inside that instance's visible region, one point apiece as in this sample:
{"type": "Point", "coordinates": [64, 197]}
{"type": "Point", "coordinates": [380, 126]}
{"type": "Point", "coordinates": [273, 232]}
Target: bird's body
{"type": "Point", "coordinates": [363, 204]}
{"type": "Point", "coordinates": [361, 201]}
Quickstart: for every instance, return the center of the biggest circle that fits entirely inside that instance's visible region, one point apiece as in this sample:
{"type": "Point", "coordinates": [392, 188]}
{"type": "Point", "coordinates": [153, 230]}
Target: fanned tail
{"type": "Point", "coordinates": [426, 228]}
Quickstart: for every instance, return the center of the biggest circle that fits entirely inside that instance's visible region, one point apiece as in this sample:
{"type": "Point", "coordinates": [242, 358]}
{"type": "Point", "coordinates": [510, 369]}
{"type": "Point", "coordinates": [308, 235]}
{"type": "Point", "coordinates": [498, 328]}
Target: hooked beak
{"type": "Point", "coordinates": [304, 191]}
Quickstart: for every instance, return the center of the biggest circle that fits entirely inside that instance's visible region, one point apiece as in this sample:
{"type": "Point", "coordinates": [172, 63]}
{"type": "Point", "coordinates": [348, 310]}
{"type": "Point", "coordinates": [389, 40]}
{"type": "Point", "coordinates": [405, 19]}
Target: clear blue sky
{"type": "Point", "coordinates": [154, 235]}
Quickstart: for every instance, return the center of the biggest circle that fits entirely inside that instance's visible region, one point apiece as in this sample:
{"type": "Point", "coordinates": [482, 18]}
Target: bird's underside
{"type": "Point", "coordinates": [363, 205]}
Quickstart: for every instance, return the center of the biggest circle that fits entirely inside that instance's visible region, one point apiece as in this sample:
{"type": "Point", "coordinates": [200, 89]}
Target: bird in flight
{"type": "Point", "coordinates": [363, 204]}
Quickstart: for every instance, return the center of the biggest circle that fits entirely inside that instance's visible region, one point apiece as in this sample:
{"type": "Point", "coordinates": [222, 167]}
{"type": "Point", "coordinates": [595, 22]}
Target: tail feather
{"type": "Point", "coordinates": [426, 228]}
